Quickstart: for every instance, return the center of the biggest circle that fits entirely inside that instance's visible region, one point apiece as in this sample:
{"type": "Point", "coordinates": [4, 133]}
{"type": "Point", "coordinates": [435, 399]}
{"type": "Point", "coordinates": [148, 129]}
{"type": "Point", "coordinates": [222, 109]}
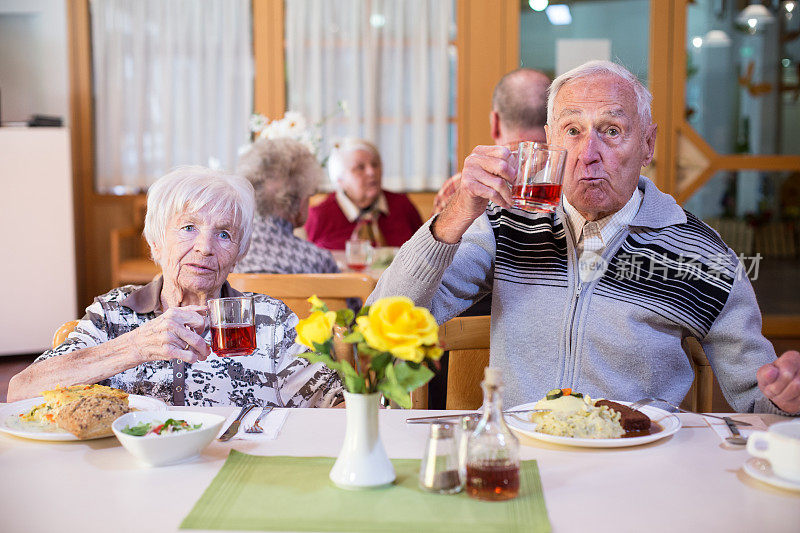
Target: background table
{"type": "Point", "coordinates": [687, 482]}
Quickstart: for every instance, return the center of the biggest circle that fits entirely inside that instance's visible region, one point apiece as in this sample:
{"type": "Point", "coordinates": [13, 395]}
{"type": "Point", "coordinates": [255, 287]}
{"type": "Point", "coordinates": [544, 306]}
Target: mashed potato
{"type": "Point", "coordinates": [570, 416]}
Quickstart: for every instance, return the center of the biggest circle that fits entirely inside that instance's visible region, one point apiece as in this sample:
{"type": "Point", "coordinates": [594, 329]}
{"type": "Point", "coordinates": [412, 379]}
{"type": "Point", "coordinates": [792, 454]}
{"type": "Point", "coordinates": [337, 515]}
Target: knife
{"type": "Point", "coordinates": [234, 427]}
{"type": "Point", "coordinates": [435, 419]}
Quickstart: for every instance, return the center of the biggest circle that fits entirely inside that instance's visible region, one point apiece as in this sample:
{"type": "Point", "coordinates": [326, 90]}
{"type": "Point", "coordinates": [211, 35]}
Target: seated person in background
{"type": "Point", "coordinates": [148, 339]}
{"type": "Point", "coordinates": [284, 174]}
{"type": "Point", "coordinates": [652, 272]}
{"type": "Point", "coordinates": [519, 113]}
{"type": "Point", "coordinates": [359, 207]}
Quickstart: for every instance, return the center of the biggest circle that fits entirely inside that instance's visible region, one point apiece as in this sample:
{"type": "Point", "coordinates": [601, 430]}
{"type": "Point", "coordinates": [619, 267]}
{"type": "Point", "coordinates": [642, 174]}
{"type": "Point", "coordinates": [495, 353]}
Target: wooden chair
{"type": "Point", "coordinates": [63, 331]}
{"type": "Point", "coordinates": [295, 289]}
{"type": "Point", "coordinates": [467, 339]}
{"type": "Point", "coordinates": [130, 253]}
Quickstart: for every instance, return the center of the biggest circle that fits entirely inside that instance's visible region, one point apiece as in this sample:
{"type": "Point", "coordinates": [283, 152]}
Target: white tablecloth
{"type": "Point", "coordinates": [687, 482]}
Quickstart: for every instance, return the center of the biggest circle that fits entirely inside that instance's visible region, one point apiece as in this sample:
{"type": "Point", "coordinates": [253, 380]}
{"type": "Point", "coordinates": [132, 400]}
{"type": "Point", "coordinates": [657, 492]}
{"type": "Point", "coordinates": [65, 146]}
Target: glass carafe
{"type": "Point", "coordinates": [492, 471]}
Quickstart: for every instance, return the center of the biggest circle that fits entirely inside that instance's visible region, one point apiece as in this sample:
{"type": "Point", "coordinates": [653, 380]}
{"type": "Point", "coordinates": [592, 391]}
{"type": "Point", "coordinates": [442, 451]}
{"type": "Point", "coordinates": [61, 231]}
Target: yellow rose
{"type": "Point", "coordinates": [394, 325]}
{"type": "Point", "coordinates": [316, 328]}
{"type": "Point", "coordinates": [316, 303]}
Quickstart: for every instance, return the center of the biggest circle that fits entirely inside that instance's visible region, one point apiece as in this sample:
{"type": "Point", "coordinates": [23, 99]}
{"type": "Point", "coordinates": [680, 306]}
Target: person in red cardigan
{"type": "Point", "coordinates": [360, 207]}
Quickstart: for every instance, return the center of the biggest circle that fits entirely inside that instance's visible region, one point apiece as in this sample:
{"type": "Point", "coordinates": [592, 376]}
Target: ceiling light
{"type": "Point", "coordinates": [377, 20]}
{"type": "Point", "coordinates": [754, 15]}
{"type": "Point", "coordinates": [716, 38]}
{"type": "Point", "coordinates": [538, 5]}
{"type": "Point", "coordinates": [697, 42]}
{"type": "Point", "coordinates": [789, 6]}
{"type": "Point", "coordinates": [559, 15]}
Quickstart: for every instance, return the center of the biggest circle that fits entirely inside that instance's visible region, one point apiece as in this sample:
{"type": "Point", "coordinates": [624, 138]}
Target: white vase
{"type": "Point", "coordinates": [362, 462]}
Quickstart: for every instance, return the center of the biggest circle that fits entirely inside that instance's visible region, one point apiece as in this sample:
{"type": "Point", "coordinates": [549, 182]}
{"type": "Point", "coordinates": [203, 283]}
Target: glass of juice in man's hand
{"type": "Point", "coordinates": [233, 328]}
{"type": "Point", "coordinates": [539, 174]}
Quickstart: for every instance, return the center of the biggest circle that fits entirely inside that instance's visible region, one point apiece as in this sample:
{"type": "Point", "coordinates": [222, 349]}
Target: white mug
{"type": "Point", "coordinates": [781, 446]}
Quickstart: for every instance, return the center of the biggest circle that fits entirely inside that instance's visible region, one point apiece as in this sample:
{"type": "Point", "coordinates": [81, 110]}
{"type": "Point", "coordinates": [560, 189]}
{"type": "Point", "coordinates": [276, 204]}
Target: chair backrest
{"type": "Point", "coordinates": [295, 289]}
{"type": "Point", "coordinates": [467, 339]}
{"type": "Point", "coordinates": [63, 331]}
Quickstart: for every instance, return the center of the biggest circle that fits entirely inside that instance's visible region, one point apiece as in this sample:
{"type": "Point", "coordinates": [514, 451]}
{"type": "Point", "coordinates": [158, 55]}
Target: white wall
{"type": "Point", "coordinates": [38, 241]}
{"type": "Point", "coordinates": [33, 59]}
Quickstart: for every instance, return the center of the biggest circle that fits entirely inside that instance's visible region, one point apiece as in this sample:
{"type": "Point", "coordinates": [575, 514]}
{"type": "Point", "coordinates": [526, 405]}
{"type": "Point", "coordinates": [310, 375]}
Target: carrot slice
{"type": "Point", "coordinates": [566, 391]}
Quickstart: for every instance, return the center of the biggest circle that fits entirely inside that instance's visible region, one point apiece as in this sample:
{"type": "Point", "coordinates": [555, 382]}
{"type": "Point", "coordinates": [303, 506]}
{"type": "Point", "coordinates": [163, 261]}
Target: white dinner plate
{"type": "Point", "coordinates": [761, 470]}
{"type": "Point", "coordinates": [669, 423]}
{"type": "Point", "coordinates": [11, 424]}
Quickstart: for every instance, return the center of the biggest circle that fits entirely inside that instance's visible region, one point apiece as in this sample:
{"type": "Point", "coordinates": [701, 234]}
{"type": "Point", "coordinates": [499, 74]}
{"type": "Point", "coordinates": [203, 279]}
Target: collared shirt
{"type": "Point", "coordinates": [595, 235]}
{"type": "Point", "coordinates": [272, 375]}
{"type": "Point", "coordinates": [352, 212]}
{"type": "Point", "coordinates": [274, 249]}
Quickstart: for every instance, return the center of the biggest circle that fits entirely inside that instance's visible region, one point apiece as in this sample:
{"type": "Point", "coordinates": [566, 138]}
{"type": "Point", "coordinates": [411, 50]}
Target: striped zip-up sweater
{"type": "Point", "coordinates": [617, 335]}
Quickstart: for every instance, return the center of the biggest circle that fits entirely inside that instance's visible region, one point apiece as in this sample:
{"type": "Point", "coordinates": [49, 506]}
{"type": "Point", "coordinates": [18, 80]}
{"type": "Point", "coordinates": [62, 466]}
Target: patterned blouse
{"type": "Point", "coordinates": [272, 375]}
{"type": "Point", "coordinates": [275, 250]}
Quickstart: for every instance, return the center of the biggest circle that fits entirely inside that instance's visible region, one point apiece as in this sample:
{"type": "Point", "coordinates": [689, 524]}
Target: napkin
{"type": "Point", "coordinates": [263, 493]}
{"type": "Point", "coordinates": [721, 428]}
{"type": "Point", "coordinates": [271, 423]}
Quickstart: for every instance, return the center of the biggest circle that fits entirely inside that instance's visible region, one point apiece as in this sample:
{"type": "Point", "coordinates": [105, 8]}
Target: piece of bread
{"type": "Point", "coordinates": [91, 417]}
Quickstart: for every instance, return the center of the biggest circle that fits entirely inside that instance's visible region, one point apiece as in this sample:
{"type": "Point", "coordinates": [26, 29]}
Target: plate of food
{"type": "Point", "coordinates": [77, 412]}
{"type": "Point", "coordinates": [574, 419]}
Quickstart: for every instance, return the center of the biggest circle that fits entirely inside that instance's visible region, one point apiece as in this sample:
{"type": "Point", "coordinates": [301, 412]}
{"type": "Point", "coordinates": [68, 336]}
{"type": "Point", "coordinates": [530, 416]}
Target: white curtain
{"type": "Point", "coordinates": [173, 85]}
{"type": "Point", "coordinates": [388, 59]}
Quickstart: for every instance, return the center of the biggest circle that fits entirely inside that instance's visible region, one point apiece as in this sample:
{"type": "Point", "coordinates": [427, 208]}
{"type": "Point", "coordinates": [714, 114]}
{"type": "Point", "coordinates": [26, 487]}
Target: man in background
{"type": "Point", "coordinates": [519, 113]}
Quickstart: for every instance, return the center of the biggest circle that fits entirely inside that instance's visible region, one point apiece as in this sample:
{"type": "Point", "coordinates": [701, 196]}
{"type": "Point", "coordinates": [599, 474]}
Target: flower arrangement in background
{"type": "Point", "coordinates": [294, 125]}
{"type": "Point", "coordinates": [393, 342]}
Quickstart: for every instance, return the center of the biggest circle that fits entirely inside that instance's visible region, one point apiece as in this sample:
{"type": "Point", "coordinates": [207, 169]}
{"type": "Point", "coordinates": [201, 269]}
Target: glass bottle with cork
{"type": "Point", "coordinates": [492, 462]}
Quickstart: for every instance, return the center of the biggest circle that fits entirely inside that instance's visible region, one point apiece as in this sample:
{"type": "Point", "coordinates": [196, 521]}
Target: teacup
{"type": "Point", "coordinates": [780, 445]}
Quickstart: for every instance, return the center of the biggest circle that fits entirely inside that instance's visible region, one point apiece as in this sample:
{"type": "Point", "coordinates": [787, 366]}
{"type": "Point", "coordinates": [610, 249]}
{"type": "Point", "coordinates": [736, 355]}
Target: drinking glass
{"type": "Point", "coordinates": [233, 328]}
{"type": "Point", "coordinates": [358, 254]}
{"type": "Point", "coordinates": [540, 172]}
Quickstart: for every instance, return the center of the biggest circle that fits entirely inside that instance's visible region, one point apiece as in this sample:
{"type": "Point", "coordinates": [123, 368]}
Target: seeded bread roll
{"type": "Point", "coordinates": [91, 417]}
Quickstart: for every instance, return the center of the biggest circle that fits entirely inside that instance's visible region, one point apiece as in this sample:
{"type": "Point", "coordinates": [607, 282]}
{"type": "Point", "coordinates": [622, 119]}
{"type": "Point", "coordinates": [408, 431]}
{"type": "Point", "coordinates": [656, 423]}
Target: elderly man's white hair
{"type": "Point", "coordinates": [345, 146]}
{"type": "Point", "coordinates": [598, 67]}
{"type": "Point", "coordinates": [190, 189]}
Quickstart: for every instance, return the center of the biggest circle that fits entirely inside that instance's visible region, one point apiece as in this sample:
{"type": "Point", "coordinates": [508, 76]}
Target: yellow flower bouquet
{"type": "Point", "coordinates": [394, 344]}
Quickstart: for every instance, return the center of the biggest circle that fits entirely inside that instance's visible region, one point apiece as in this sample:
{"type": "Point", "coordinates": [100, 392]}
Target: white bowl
{"type": "Point", "coordinates": [158, 450]}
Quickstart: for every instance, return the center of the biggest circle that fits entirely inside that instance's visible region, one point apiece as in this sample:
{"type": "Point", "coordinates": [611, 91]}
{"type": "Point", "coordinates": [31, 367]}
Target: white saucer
{"type": "Point", "coordinates": [761, 470]}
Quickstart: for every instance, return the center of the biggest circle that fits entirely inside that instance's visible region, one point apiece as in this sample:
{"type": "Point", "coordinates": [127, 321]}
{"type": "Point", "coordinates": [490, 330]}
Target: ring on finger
{"type": "Point", "coordinates": [187, 346]}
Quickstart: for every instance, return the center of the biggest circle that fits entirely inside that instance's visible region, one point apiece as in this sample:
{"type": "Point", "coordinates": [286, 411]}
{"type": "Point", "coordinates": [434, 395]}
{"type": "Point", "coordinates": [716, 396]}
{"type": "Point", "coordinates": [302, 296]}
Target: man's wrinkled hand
{"type": "Point", "coordinates": [780, 381]}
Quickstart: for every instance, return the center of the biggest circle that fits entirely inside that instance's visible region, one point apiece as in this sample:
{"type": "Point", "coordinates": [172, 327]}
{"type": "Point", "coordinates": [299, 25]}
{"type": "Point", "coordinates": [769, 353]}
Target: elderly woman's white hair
{"type": "Point", "coordinates": [190, 189]}
{"type": "Point", "coordinates": [283, 172]}
{"type": "Point", "coordinates": [343, 147]}
{"type": "Point", "coordinates": [599, 67]}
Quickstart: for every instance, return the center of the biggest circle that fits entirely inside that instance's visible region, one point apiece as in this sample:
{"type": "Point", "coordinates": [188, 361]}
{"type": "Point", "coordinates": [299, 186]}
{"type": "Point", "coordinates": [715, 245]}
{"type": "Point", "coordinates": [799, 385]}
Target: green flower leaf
{"type": "Point", "coordinates": [364, 311]}
{"type": "Point", "coordinates": [410, 378]}
{"type": "Point", "coordinates": [345, 317]}
{"type": "Point", "coordinates": [354, 338]}
{"type": "Point", "coordinates": [326, 347]}
{"type": "Point", "coordinates": [355, 384]}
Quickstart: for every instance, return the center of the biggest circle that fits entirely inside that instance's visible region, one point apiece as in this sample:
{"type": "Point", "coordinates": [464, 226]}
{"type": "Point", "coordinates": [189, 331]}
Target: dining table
{"type": "Point", "coordinates": [689, 481]}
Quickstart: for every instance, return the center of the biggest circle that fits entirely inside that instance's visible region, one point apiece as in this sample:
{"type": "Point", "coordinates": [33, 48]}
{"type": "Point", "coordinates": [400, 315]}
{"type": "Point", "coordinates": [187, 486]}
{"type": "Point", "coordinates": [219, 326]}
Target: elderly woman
{"type": "Point", "coordinates": [284, 174]}
{"type": "Point", "coordinates": [149, 339]}
{"type": "Point", "coordinates": [360, 207]}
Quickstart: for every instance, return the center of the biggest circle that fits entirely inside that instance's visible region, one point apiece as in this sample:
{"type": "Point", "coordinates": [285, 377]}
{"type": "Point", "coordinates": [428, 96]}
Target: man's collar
{"type": "Point", "coordinates": [147, 299]}
{"type": "Point", "coordinates": [352, 212]}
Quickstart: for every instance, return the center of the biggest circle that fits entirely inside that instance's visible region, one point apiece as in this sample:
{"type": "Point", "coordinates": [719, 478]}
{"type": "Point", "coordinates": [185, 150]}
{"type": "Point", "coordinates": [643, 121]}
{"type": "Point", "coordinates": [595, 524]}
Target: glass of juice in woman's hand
{"type": "Point", "coordinates": [233, 329]}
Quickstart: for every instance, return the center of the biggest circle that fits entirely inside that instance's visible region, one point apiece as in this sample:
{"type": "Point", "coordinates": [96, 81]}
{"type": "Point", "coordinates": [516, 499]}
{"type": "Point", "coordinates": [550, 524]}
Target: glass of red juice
{"type": "Point", "coordinates": [233, 328]}
{"type": "Point", "coordinates": [540, 172]}
{"type": "Point", "coordinates": [358, 254]}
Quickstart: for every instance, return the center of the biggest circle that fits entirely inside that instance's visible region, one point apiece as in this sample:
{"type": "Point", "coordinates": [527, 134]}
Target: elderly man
{"type": "Point", "coordinates": [360, 207]}
{"type": "Point", "coordinates": [616, 334]}
{"type": "Point", "coordinates": [519, 113]}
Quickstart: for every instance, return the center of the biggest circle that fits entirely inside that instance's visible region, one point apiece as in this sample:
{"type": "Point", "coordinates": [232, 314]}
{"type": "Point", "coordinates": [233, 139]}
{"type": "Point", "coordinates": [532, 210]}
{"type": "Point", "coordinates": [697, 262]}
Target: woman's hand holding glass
{"type": "Point", "coordinates": [176, 334]}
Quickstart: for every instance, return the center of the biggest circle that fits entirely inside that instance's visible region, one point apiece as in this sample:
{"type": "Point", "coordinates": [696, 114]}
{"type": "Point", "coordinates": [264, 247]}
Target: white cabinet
{"type": "Point", "coordinates": [37, 237]}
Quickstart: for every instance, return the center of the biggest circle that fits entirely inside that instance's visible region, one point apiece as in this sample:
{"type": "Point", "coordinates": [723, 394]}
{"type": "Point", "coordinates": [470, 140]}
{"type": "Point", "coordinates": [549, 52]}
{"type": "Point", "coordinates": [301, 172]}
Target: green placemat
{"type": "Point", "coordinates": [281, 493]}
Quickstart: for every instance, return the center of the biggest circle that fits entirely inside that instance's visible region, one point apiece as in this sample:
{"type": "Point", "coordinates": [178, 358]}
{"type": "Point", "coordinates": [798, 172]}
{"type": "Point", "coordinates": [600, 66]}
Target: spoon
{"type": "Point", "coordinates": [737, 437]}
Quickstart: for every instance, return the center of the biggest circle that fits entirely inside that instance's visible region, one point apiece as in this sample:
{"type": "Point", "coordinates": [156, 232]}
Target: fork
{"type": "Point", "coordinates": [256, 427]}
{"type": "Point", "coordinates": [645, 401]}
